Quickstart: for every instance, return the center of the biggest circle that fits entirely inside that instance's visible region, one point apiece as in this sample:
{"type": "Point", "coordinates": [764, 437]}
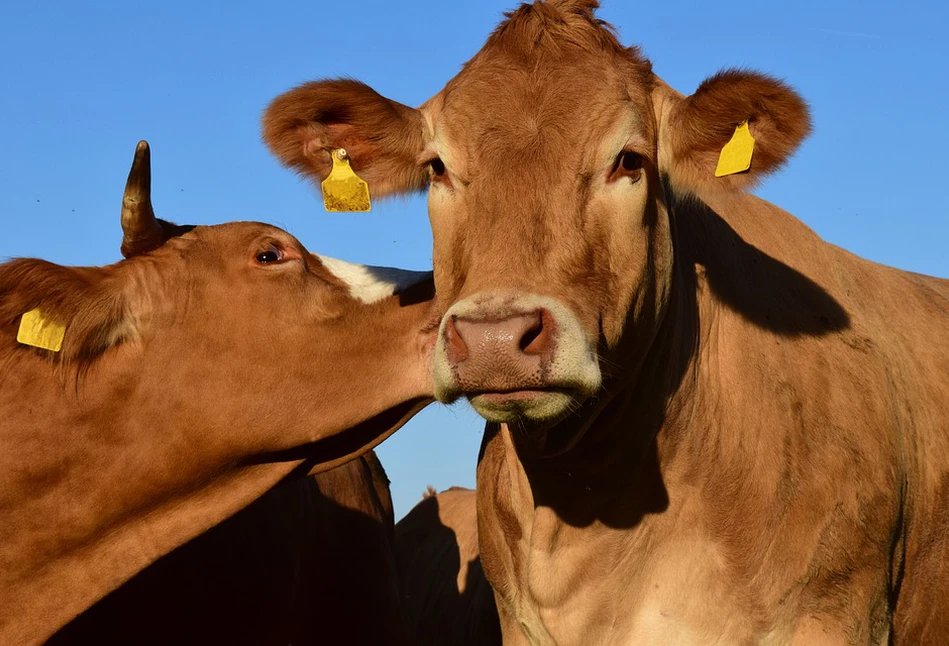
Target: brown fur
{"type": "Point", "coordinates": [704, 122]}
{"type": "Point", "coordinates": [382, 138]}
{"type": "Point", "coordinates": [765, 459]}
{"type": "Point", "coordinates": [555, 24]}
{"type": "Point", "coordinates": [192, 380]}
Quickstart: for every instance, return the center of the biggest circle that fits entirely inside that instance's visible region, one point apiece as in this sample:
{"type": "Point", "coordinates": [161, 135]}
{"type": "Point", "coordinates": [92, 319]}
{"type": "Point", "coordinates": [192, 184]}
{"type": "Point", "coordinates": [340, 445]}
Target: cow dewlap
{"type": "Point", "coordinates": [39, 332]}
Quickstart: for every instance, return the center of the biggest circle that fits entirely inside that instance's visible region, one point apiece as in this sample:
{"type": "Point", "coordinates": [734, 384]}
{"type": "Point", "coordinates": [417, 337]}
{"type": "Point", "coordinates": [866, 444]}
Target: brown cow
{"type": "Point", "coordinates": [710, 426]}
{"type": "Point", "coordinates": [211, 364]}
{"type": "Point", "coordinates": [446, 601]}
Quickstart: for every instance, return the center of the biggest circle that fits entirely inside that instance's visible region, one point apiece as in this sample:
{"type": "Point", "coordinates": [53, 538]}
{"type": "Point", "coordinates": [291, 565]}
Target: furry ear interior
{"type": "Point", "coordinates": [384, 139]}
{"type": "Point", "coordinates": [703, 123]}
{"type": "Point", "coordinates": [85, 300]}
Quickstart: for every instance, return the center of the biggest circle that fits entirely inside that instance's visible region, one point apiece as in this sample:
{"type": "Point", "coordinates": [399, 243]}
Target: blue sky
{"type": "Point", "coordinates": [83, 82]}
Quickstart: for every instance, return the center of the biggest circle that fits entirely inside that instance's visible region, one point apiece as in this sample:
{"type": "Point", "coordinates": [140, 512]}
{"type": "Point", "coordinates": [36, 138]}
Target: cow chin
{"type": "Point", "coordinates": [533, 407]}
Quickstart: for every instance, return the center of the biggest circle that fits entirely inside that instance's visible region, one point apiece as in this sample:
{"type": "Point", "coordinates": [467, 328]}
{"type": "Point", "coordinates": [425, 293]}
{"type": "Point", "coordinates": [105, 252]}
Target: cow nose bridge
{"type": "Point", "coordinates": [520, 340]}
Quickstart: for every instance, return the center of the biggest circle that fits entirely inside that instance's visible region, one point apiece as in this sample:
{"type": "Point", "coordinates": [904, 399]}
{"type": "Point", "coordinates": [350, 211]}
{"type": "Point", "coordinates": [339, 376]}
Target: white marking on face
{"type": "Point", "coordinates": [371, 284]}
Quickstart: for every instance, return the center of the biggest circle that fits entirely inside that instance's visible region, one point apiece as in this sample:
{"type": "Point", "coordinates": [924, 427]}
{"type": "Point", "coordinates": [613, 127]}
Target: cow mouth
{"type": "Point", "coordinates": [525, 404]}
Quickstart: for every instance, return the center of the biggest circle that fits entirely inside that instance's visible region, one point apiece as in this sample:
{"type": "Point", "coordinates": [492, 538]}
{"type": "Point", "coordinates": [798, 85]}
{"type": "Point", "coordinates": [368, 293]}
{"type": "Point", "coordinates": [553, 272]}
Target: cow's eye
{"type": "Point", "coordinates": [628, 164]}
{"type": "Point", "coordinates": [437, 166]}
{"type": "Point", "coordinates": [269, 256]}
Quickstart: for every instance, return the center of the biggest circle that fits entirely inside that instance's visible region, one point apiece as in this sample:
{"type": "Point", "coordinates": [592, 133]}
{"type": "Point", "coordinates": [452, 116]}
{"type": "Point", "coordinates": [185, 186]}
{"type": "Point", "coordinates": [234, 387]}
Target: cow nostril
{"type": "Point", "coordinates": [537, 338]}
{"type": "Point", "coordinates": [534, 331]}
{"type": "Point", "coordinates": [512, 338]}
{"type": "Point", "coordinates": [457, 348]}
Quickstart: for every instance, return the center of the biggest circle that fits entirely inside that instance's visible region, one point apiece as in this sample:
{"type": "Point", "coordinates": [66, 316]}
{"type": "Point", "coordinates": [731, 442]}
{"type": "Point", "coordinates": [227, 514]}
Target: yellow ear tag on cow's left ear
{"type": "Point", "coordinates": [736, 155]}
{"type": "Point", "coordinates": [39, 332]}
{"type": "Point", "coordinates": [343, 190]}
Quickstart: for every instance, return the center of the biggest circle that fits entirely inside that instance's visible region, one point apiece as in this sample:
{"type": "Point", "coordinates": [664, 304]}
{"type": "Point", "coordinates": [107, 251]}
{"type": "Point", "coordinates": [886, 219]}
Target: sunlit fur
{"type": "Point", "coordinates": [191, 380]}
{"type": "Point", "coordinates": [304, 126]}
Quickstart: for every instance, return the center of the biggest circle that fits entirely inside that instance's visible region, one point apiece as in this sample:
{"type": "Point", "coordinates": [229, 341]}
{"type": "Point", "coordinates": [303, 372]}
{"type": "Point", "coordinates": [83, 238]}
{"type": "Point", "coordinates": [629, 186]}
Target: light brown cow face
{"type": "Point", "coordinates": [218, 325]}
{"type": "Point", "coordinates": [549, 158]}
{"type": "Point", "coordinates": [259, 328]}
{"type": "Point", "coordinates": [547, 231]}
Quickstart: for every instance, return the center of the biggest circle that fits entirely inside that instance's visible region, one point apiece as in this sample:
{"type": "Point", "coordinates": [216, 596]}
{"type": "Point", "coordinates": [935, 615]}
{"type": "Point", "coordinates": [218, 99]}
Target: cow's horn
{"type": "Point", "coordinates": [141, 231]}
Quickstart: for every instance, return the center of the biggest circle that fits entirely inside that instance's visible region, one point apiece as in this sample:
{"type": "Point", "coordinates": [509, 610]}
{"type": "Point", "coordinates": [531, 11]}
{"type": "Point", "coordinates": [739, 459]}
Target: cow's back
{"type": "Point", "coordinates": [310, 562]}
{"type": "Point", "coordinates": [446, 599]}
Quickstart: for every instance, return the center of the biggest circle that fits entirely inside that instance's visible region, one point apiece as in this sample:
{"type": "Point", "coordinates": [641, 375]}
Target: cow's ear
{"type": "Point", "coordinates": [88, 302]}
{"type": "Point", "coordinates": [702, 124]}
{"type": "Point", "coordinates": [384, 140]}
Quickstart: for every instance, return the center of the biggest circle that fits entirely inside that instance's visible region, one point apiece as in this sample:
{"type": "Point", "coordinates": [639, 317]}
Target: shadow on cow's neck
{"type": "Point", "coordinates": [256, 578]}
{"type": "Point", "coordinates": [618, 456]}
{"type": "Point", "coordinates": [761, 289]}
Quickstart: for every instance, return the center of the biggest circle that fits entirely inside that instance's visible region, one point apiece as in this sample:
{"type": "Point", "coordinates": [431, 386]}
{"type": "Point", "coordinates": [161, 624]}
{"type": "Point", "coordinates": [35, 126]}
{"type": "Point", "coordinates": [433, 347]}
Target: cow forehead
{"type": "Point", "coordinates": [558, 134]}
{"type": "Point", "coordinates": [562, 118]}
{"type": "Point", "coordinates": [523, 97]}
{"type": "Point", "coordinates": [234, 236]}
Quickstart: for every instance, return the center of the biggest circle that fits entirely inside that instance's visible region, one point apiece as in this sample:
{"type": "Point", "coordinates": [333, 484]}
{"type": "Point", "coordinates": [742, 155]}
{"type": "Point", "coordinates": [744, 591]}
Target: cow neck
{"type": "Point", "coordinates": [81, 531]}
{"type": "Point", "coordinates": [73, 532]}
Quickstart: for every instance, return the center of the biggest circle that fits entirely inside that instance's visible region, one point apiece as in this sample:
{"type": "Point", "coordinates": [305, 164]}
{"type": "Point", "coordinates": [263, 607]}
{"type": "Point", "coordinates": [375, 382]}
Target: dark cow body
{"type": "Point", "coordinates": [310, 562]}
{"type": "Point", "coordinates": [446, 600]}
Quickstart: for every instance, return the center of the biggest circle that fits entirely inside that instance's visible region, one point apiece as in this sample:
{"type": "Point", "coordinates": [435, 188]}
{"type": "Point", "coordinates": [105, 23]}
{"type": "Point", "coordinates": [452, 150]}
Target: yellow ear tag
{"type": "Point", "coordinates": [39, 332]}
{"type": "Point", "coordinates": [343, 190]}
{"type": "Point", "coordinates": [736, 155]}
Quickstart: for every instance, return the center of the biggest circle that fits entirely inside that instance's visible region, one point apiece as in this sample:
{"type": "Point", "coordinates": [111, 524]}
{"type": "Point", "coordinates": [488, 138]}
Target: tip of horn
{"type": "Point", "coordinates": [141, 163]}
{"type": "Point", "coordinates": [141, 231]}
{"type": "Point", "coordinates": [136, 201]}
